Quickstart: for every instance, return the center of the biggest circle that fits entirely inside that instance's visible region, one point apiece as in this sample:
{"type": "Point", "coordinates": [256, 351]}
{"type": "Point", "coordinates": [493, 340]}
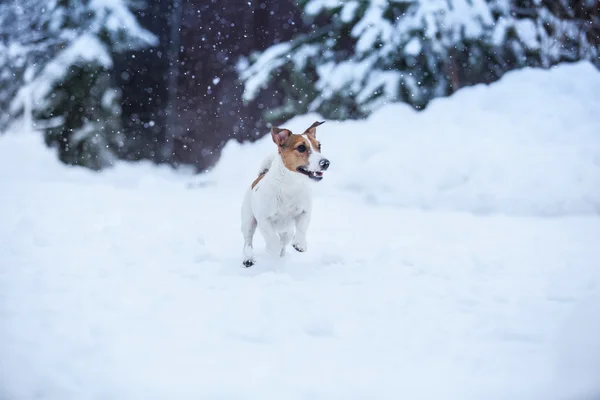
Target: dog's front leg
{"type": "Point", "coordinates": [271, 237]}
{"type": "Point", "coordinates": [302, 221]}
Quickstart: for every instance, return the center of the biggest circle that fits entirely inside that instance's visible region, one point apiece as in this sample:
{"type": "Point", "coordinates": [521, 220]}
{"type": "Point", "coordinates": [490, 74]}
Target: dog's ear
{"type": "Point", "coordinates": [312, 130]}
{"type": "Point", "coordinates": [280, 135]}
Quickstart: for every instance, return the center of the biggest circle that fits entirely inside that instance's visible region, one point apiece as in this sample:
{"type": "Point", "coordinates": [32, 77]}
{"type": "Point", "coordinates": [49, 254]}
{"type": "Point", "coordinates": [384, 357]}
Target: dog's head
{"type": "Point", "coordinates": [301, 153]}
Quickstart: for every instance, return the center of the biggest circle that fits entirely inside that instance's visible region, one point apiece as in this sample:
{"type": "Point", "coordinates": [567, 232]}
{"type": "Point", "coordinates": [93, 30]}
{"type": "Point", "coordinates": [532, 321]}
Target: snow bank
{"type": "Point", "coordinates": [526, 145]}
{"type": "Point", "coordinates": [577, 362]}
{"type": "Point", "coordinates": [25, 159]}
{"type": "Point", "coordinates": [125, 285]}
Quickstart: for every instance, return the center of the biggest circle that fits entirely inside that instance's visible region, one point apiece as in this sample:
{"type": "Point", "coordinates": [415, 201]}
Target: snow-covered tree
{"type": "Point", "coordinates": [361, 54]}
{"type": "Point", "coordinates": [56, 59]}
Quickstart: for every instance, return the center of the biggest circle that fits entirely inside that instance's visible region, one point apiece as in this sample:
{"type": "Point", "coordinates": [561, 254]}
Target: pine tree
{"type": "Point", "coordinates": [59, 58]}
{"type": "Point", "coordinates": [361, 54]}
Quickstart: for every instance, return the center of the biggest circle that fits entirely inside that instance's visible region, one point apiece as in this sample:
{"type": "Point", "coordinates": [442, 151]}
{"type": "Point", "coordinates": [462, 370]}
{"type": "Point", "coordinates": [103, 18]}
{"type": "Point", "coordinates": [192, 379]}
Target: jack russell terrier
{"type": "Point", "coordinates": [279, 200]}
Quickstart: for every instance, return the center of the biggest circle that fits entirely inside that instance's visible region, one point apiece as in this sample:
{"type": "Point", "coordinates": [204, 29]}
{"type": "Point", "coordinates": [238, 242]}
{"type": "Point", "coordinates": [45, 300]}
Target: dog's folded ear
{"type": "Point", "coordinates": [280, 135]}
{"type": "Point", "coordinates": [312, 130]}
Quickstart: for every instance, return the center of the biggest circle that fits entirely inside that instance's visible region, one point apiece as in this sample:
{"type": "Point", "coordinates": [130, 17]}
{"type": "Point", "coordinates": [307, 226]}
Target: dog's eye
{"type": "Point", "coordinates": [319, 147]}
{"type": "Point", "coordinates": [301, 148]}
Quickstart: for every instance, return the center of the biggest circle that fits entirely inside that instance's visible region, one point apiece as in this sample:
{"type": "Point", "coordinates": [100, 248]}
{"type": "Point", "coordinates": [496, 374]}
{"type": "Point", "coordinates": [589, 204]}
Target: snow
{"type": "Point", "coordinates": [372, 27]}
{"type": "Point", "coordinates": [527, 31]}
{"type": "Point", "coordinates": [413, 47]}
{"type": "Point", "coordinates": [127, 284]}
{"type": "Point", "coordinates": [314, 7]}
{"type": "Point", "coordinates": [89, 34]}
{"type": "Point", "coordinates": [120, 21]}
{"type": "Point", "coordinates": [85, 49]}
{"type": "Point", "coordinates": [336, 76]}
{"type": "Point", "coordinates": [454, 156]}
{"type": "Point", "coordinates": [410, 37]}
{"type": "Point", "coordinates": [387, 82]}
{"type": "Point", "coordinates": [257, 76]}
{"type": "Point", "coordinates": [348, 12]}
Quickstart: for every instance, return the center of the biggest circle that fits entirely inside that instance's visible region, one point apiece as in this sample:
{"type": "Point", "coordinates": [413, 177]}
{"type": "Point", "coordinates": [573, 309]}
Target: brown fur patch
{"type": "Point", "coordinates": [292, 158]}
{"type": "Point", "coordinates": [260, 176]}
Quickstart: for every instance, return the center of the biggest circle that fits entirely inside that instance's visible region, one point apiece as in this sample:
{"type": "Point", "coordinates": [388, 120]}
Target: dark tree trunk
{"type": "Point", "coordinates": [142, 77]}
{"type": "Point", "coordinates": [172, 122]}
{"type": "Point", "coordinates": [183, 97]}
{"type": "Point", "coordinates": [213, 37]}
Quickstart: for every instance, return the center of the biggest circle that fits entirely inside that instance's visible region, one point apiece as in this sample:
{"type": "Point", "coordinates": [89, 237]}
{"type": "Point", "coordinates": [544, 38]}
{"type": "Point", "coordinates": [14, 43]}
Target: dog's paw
{"type": "Point", "coordinates": [248, 262]}
{"type": "Point", "coordinates": [301, 247]}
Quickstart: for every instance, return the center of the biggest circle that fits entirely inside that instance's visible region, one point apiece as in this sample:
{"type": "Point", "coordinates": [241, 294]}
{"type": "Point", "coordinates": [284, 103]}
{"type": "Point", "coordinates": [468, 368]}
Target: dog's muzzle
{"type": "Point", "coordinates": [315, 175]}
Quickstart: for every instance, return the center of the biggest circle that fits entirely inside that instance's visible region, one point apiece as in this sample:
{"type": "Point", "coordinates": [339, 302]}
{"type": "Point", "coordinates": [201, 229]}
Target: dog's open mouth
{"type": "Point", "coordinates": [314, 175]}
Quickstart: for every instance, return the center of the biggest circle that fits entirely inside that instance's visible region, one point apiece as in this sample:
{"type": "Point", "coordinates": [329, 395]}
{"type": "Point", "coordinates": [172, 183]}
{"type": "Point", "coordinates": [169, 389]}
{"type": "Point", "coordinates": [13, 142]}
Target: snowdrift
{"type": "Point", "coordinates": [127, 285]}
{"type": "Point", "coordinates": [528, 144]}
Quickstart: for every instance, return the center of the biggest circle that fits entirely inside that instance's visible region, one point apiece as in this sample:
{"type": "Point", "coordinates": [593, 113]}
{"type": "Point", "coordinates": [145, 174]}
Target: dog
{"type": "Point", "coordinates": [279, 200]}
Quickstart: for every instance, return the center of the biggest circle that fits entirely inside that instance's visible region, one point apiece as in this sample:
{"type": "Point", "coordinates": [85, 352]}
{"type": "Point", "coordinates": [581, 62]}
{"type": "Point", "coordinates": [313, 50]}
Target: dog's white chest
{"type": "Point", "coordinates": [291, 202]}
{"type": "Point", "coordinates": [281, 205]}
{"type": "Point", "coordinates": [288, 208]}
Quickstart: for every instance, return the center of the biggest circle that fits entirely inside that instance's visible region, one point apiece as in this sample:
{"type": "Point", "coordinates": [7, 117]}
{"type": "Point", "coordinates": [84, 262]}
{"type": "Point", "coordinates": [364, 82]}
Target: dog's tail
{"type": "Point", "coordinates": [264, 168]}
{"type": "Point", "coordinates": [266, 164]}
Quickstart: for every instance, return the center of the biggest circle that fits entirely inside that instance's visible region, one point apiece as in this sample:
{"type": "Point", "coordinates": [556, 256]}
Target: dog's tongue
{"type": "Point", "coordinates": [318, 173]}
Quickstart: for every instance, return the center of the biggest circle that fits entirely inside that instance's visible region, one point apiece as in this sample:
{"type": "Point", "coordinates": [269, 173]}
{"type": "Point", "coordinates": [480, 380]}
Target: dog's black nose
{"type": "Point", "coordinates": [324, 164]}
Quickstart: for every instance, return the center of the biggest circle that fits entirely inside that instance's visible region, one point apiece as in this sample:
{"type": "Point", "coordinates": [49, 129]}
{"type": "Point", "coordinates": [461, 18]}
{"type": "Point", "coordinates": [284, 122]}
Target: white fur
{"type": "Point", "coordinates": [280, 206]}
{"type": "Point", "coordinates": [314, 158]}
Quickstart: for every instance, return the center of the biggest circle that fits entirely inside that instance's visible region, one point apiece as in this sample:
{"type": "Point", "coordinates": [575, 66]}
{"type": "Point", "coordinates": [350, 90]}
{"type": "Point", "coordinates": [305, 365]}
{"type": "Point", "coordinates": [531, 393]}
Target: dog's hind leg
{"type": "Point", "coordinates": [286, 238]}
{"type": "Point", "coordinates": [272, 239]}
{"type": "Point", "coordinates": [248, 229]}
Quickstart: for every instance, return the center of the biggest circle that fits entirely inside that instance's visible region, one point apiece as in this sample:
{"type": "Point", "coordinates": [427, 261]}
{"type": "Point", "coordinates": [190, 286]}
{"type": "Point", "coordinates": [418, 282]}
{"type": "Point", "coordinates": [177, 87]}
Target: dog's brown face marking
{"type": "Point", "coordinates": [294, 152]}
{"type": "Point", "coordinates": [295, 149]}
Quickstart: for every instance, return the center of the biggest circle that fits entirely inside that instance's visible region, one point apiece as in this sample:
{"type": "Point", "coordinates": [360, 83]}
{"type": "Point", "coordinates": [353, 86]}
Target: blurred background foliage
{"type": "Point", "coordinates": [172, 81]}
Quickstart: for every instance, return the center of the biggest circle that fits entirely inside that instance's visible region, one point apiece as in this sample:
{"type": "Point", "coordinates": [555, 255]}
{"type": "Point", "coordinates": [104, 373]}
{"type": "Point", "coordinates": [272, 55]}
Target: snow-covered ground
{"type": "Point", "coordinates": [453, 254]}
